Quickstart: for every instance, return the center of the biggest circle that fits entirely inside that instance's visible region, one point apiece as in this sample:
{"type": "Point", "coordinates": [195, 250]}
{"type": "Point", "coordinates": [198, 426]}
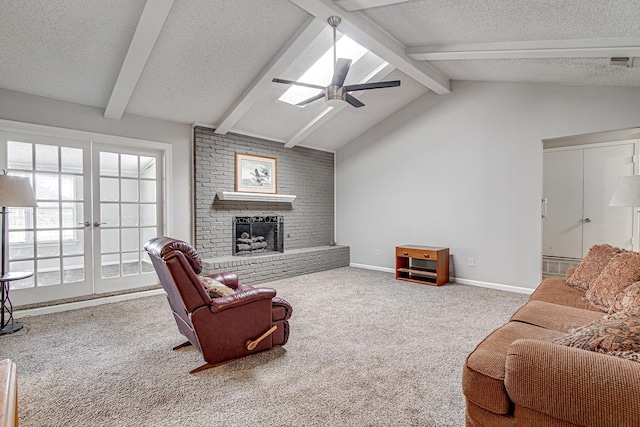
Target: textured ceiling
{"type": "Point", "coordinates": [63, 49]}
{"type": "Point", "coordinates": [212, 56]}
{"type": "Point", "coordinates": [434, 22]}
{"type": "Point", "coordinates": [206, 56]}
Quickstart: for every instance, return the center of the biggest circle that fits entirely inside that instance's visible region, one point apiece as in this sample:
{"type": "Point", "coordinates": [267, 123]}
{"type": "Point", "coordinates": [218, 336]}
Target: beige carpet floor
{"type": "Point", "coordinates": [364, 350]}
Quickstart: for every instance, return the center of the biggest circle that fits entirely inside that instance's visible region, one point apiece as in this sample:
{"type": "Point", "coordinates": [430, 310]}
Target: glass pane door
{"type": "Point", "coordinates": [126, 214]}
{"type": "Point", "coordinates": [54, 240]}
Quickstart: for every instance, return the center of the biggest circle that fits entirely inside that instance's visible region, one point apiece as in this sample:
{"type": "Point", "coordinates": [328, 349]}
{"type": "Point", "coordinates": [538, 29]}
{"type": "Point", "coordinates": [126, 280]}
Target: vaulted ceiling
{"type": "Point", "coordinates": [212, 61]}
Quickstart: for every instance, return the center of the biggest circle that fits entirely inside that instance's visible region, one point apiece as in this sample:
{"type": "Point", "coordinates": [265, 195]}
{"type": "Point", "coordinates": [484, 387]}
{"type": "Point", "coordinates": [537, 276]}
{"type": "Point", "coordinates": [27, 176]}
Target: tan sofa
{"type": "Point", "coordinates": [517, 377]}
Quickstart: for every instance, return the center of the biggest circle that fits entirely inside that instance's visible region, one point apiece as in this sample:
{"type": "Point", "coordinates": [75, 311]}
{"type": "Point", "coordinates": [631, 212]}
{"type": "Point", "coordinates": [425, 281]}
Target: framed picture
{"type": "Point", "coordinates": [255, 174]}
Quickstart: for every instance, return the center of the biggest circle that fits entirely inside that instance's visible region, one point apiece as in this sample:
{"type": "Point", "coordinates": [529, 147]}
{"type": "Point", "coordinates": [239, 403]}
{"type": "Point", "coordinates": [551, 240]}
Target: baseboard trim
{"type": "Point", "coordinates": [83, 304]}
{"type": "Point", "coordinates": [498, 286]}
{"type": "Point", "coordinates": [371, 267]}
{"type": "Point", "coordinates": [478, 283]}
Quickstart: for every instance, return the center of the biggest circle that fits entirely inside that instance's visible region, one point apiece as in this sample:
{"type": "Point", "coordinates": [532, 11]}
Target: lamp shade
{"type": "Point", "coordinates": [16, 192]}
{"type": "Point", "coordinates": [627, 192]}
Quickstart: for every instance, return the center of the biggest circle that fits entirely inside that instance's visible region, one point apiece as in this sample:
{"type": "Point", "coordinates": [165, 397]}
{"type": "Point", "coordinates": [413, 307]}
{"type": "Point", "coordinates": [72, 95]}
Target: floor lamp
{"type": "Point", "coordinates": [15, 192]}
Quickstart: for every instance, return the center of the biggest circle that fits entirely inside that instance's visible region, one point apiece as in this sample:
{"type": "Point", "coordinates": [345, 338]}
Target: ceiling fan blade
{"type": "Point", "coordinates": [342, 68]}
{"type": "Point", "coordinates": [376, 85]}
{"type": "Point", "coordinates": [293, 82]}
{"type": "Point", "coordinates": [353, 101]}
{"type": "Point", "coordinates": [307, 101]}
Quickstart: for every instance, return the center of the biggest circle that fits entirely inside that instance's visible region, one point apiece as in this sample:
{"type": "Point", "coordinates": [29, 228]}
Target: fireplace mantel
{"type": "Point", "coordinates": [255, 197]}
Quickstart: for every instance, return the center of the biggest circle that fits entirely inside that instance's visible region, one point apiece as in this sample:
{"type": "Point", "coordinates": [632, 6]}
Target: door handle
{"type": "Point", "coordinates": [86, 223]}
{"type": "Point", "coordinates": [98, 224]}
{"type": "Point", "coordinates": [587, 220]}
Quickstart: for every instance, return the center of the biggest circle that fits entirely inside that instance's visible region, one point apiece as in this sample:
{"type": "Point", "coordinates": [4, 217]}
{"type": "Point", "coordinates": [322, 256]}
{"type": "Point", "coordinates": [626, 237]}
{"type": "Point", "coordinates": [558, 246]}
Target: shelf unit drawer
{"type": "Point", "coordinates": [417, 253]}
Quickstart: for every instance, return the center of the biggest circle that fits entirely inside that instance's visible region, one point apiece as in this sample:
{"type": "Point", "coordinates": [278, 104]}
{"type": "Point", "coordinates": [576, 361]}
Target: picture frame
{"type": "Point", "coordinates": [256, 174]}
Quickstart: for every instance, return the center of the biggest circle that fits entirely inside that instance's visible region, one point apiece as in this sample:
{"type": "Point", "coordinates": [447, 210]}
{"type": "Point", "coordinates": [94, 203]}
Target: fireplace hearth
{"type": "Point", "coordinates": [254, 235]}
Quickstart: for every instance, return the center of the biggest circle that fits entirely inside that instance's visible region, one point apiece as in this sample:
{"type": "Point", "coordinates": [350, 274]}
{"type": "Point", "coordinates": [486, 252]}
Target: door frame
{"type": "Point", "coordinates": [44, 131]}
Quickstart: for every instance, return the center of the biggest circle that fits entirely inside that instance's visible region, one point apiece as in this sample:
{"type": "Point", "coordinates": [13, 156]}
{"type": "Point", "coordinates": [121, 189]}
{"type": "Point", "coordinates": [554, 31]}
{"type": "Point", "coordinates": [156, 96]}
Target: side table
{"type": "Point", "coordinates": [7, 324]}
{"type": "Point", "coordinates": [427, 265]}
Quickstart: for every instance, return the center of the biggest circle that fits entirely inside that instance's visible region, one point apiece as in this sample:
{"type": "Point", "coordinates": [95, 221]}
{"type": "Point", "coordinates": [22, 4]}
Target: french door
{"type": "Point", "coordinates": [126, 214]}
{"type": "Point", "coordinates": [97, 205]}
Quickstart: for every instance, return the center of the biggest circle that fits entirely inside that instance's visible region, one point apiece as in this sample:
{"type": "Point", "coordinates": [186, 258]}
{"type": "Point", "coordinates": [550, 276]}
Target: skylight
{"type": "Point", "coordinates": [321, 72]}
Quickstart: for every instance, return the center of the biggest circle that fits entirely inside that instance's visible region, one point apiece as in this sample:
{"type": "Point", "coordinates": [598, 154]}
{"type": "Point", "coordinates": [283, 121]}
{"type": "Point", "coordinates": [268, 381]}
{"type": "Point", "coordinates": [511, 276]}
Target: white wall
{"type": "Point", "coordinates": [464, 170]}
{"type": "Point", "coordinates": [33, 109]}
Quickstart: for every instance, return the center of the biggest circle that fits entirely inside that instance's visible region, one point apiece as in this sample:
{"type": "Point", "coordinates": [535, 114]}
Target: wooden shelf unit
{"type": "Point", "coordinates": [427, 265]}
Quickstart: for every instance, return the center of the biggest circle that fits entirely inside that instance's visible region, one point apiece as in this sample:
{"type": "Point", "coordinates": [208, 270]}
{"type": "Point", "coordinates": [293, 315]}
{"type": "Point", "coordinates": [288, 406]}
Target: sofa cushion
{"type": "Point", "coordinates": [621, 272]}
{"type": "Point", "coordinates": [554, 316]}
{"type": "Point", "coordinates": [616, 334]}
{"type": "Point", "coordinates": [628, 299]}
{"type": "Point", "coordinates": [479, 417]}
{"type": "Point", "coordinates": [574, 387]}
{"type": "Point", "coordinates": [483, 372]}
{"type": "Point", "coordinates": [554, 290]}
{"type": "Point", "coordinates": [591, 266]}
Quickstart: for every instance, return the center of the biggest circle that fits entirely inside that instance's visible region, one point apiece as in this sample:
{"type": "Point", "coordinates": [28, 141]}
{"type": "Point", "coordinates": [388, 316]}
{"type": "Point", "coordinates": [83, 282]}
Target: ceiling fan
{"type": "Point", "coordinates": [336, 93]}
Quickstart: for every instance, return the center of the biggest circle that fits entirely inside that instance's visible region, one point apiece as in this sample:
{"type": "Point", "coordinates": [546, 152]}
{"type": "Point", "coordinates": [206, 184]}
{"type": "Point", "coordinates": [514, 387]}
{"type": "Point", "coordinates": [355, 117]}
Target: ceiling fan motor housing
{"type": "Point", "coordinates": [335, 95]}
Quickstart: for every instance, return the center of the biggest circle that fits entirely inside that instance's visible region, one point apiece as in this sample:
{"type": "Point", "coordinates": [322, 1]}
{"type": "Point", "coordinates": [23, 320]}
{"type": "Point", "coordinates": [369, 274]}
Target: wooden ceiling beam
{"type": "Point", "coordinates": [352, 5]}
{"type": "Point", "coordinates": [580, 48]}
{"type": "Point", "coordinates": [365, 32]}
{"type": "Point", "coordinates": [149, 26]}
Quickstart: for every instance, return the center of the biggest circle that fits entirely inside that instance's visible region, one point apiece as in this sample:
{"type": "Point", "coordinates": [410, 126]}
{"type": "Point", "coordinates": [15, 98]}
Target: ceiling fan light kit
{"type": "Point", "coordinates": [335, 93]}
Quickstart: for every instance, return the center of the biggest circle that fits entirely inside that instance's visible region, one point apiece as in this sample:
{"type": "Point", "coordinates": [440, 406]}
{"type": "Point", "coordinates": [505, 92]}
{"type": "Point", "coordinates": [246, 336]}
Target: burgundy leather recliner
{"type": "Point", "coordinates": [224, 328]}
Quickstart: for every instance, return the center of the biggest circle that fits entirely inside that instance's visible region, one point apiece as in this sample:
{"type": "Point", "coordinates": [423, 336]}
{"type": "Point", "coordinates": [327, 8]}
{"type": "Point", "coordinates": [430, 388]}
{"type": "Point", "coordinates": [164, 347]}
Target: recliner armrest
{"type": "Point", "coordinates": [574, 385]}
{"type": "Point", "coordinates": [241, 298]}
{"type": "Point", "coordinates": [282, 310]}
{"type": "Point", "coordinates": [226, 278]}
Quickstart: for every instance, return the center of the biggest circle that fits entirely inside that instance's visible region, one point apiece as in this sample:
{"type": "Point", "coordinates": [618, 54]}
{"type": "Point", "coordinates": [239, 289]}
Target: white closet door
{"type": "Point", "coordinates": [562, 227]}
{"type": "Point", "coordinates": [578, 184]}
{"type": "Point", "coordinates": [604, 223]}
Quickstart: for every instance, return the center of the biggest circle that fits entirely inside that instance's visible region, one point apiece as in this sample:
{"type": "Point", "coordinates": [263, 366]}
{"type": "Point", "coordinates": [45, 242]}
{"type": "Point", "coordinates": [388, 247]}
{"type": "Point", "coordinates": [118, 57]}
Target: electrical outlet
{"type": "Point", "coordinates": [376, 252]}
{"type": "Point", "coordinates": [472, 262]}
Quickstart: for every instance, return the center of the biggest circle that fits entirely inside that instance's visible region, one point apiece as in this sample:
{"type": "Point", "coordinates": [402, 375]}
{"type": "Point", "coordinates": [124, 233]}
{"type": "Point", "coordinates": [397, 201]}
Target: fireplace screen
{"type": "Point", "coordinates": [257, 234]}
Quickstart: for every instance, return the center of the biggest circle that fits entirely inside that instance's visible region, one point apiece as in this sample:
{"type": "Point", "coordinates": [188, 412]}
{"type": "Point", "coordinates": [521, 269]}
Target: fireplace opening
{"type": "Point", "coordinates": [257, 234]}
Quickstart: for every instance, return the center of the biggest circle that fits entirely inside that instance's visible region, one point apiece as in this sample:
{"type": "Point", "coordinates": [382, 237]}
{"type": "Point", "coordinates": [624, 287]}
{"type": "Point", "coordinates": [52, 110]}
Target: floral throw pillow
{"type": "Point", "coordinates": [627, 300]}
{"type": "Point", "coordinates": [592, 265]}
{"type": "Point", "coordinates": [616, 334]}
{"type": "Point", "coordinates": [622, 271]}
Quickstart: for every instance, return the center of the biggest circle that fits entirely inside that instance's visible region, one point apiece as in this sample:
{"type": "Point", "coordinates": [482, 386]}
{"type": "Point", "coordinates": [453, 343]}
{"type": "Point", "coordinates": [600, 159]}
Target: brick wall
{"type": "Point", "coordinates": [303, 172]}
{"type": "Point", "coordinates": [256, 270]}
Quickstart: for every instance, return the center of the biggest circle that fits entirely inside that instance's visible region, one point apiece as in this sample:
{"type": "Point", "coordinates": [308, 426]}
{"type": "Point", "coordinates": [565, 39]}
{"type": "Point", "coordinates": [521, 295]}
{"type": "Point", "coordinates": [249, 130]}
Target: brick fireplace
{"type": "Point", "coordinates": [308, 174]}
